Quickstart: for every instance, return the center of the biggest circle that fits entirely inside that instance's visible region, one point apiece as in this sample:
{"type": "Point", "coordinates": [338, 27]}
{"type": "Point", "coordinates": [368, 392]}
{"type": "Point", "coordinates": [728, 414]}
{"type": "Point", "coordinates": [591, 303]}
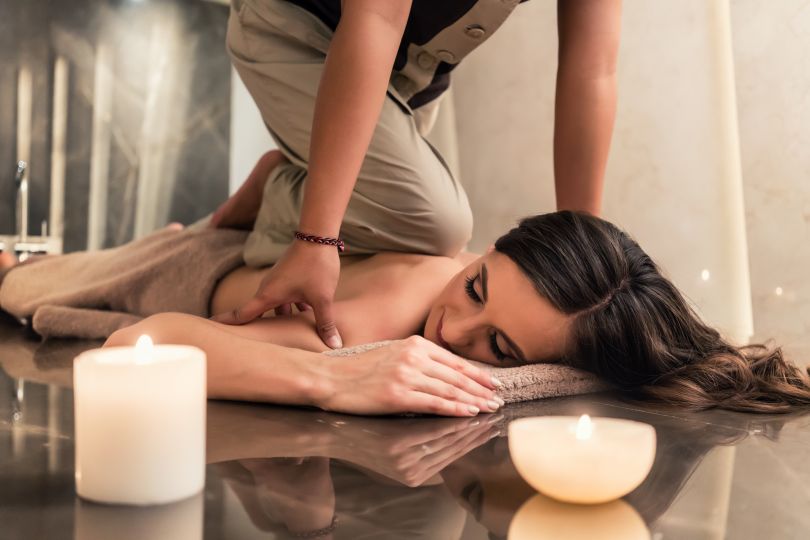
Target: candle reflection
{"type": "Point", "coordinates": [182, 520]}
{"type": "Point", "coordinates": [542, 518]}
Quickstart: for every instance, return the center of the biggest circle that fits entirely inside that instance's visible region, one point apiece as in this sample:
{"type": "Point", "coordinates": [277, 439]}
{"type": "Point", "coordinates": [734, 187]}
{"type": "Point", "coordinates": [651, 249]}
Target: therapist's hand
{"type": "Point", "coordinates": [306, 275]}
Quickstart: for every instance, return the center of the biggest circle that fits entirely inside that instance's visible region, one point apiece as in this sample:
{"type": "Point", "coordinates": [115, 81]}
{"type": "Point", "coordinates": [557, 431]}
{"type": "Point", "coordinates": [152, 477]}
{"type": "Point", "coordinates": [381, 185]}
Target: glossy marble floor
{"type": "Point", "coordinates": [275, 469]}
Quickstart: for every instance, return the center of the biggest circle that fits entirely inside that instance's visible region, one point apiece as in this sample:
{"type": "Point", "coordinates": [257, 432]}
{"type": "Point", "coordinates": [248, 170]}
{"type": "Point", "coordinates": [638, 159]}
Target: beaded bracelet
{"type": "Point", "coordinates": [337, 242]}
{"type": "Point", "coordinates": [318, 532]}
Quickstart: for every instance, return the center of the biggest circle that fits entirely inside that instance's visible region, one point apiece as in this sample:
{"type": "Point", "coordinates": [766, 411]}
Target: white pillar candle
{"type": "Point", "coordinates": [582, 460]}
{"type": "Point", "coordinates": [140, 423]}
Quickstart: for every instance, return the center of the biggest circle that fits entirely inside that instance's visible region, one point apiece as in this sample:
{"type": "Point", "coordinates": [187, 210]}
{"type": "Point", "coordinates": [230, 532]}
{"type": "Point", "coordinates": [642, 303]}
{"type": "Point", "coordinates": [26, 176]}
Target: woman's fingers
{"type": "Point", "coordinates": [481, 376]}
{"type": "Point", "coordinates": [458, 383]}
{"type": "Point", "coordinates": [421, 402]}
{"type": "Point", "coordinates": [458, 389]}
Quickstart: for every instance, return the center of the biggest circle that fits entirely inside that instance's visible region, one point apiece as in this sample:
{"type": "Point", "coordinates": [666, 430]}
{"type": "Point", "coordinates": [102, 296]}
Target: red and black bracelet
{"type": "Point", "coordinates": [337, 242]}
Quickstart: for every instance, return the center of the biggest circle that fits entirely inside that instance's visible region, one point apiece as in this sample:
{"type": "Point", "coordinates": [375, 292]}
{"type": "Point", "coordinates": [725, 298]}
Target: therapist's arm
{"type": "Point", "coordinates": [586, 100]}
{"type": "Point", "coordinates": [350, 97]}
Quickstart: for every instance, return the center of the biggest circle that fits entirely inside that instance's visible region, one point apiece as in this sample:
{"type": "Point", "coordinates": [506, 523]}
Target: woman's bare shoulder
{"type": "Point", "coordinates": [387, 273]}
{"type": "Point", "coordinates": [415, 261]}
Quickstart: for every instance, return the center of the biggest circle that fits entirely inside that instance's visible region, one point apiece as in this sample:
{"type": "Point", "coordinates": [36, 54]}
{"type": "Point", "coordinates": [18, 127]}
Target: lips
{"type": "Point", "coordinates": [442, 342]}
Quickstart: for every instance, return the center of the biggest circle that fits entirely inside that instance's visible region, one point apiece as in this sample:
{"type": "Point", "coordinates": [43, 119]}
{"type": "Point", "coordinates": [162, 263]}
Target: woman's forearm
{"type": "Point", "coordinates": [348, 104]}
{"type": "Point", "coordinates": [411, 375]}
{"type": "Point", "coordinates": [238, 368]}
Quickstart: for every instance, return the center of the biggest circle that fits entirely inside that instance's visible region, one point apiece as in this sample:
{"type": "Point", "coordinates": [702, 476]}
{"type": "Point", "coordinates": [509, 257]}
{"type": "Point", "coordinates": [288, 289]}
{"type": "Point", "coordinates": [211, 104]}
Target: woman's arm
{"type": "Point", "coordinates": [238, 368]}
{"type": "Point", "coordinates": [412, 375]}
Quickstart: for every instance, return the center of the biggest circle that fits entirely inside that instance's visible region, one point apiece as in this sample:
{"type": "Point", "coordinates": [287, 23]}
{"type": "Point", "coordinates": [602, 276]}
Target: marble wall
{"type": "Point", "coordinates": [147, 113]}
{"type": "Point", "coordinates": [679, 150]}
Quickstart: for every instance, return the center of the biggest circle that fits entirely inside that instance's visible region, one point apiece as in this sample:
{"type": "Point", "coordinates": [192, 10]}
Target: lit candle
{"type": "Point", "coordinates": [541, 518]}
{"type": "Point", "coordinates": [582, 461]}
{"type": "Point", "coordinates": [140, 423]}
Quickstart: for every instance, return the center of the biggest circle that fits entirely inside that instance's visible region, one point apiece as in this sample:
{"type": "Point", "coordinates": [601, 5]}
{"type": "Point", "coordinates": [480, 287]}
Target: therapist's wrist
{"type": "Point", "coordinates": [319, 226]}
{"type": "Point", "coordinates": [321, 240]}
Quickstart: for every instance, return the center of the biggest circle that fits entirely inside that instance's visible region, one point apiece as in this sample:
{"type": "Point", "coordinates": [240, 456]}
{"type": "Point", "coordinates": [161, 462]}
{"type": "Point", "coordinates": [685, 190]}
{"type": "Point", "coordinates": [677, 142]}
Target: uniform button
{"type": "Point", "coordinates": [446, 56]}
{"type": "Point", "coordinates": [475, 31]}
{"type": "Point", "coordinates": [400, 80]}
{"type": "Point", "coordinates": [425, 60]}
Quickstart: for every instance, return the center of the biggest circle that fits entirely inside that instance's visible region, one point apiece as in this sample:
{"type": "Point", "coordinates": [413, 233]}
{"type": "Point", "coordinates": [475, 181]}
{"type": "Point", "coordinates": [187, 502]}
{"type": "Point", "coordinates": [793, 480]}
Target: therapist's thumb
{"type": "Point", "coordinates": [245, 313]}
{"type": "Point", "coordinates": [325, 322]}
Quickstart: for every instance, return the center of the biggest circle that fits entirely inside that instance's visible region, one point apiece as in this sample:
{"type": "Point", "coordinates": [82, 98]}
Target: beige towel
{"type": "Point", "coordinates": [91, 294]}
{"type": "Point", "coordinates": [522, 383]}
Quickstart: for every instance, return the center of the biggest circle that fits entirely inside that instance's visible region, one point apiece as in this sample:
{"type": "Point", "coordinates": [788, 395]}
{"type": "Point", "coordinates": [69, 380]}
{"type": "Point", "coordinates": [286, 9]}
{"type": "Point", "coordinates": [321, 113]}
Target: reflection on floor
{"type": "Point", "coordinates": [275, 469]}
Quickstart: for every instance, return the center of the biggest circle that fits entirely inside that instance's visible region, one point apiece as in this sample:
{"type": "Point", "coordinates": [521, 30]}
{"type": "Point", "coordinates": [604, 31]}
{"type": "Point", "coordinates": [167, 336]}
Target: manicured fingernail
{"type": "Point", "coordinates": [500, 401]}
{"type": "Point", "coordinates": [492, 404]}
{"type": "Point", "coordinates": [475, 423]}
{"type": "Point", "coordinates": [473, 409]}
{"type": "Point", "coordinates": [496, 382]}
{"type": "Point", "coordinates": [334, 342]}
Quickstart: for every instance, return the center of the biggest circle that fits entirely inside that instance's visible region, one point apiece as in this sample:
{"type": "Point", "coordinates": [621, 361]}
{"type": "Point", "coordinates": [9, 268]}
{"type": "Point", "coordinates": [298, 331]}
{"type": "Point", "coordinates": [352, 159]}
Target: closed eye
{"type": "Point", "coordinates": [469, 287]}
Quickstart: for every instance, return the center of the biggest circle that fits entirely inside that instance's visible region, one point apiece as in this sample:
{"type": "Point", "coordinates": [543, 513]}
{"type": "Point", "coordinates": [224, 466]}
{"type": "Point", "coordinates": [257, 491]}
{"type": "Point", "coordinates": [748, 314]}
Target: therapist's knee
{"type": "Point", "coordinates": [449, 227]}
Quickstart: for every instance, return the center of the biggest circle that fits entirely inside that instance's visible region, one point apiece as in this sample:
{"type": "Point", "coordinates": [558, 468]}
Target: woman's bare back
{"type": "Point", "coordinates": [379, 297]}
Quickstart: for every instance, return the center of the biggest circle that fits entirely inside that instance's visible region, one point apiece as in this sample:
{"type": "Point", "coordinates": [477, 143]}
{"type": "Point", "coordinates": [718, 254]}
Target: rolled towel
{"type": "Point", "coordinates": [521, 383]}
{"type": "Point", "coordinates": [91, 294]}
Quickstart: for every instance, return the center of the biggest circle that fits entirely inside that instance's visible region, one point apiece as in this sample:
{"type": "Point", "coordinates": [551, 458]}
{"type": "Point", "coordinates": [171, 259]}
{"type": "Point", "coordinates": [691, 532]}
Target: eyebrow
{"type": "Point", "coordinates": [512, 344]}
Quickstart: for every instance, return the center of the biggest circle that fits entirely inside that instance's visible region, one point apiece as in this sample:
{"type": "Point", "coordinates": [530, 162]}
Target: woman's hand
{"type": "Point", "coordinates": [411, 375]}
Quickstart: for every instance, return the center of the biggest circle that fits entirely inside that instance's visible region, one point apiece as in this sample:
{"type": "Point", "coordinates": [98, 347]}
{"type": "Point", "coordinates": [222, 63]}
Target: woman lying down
{"type": "Point", "coordinates": [559, 288]}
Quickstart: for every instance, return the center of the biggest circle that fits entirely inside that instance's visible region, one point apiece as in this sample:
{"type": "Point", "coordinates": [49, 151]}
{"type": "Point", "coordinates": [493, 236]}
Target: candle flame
{"type": "Point", "coordinates": [143, 349]}
{"type": "Point", "coordinates": [584, 428]}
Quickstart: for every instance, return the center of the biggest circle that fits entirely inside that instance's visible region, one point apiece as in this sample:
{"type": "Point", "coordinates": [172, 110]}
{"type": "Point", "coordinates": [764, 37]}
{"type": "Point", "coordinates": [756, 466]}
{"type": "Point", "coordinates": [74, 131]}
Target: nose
{"type": "Point", "coordinates": [459, 330]}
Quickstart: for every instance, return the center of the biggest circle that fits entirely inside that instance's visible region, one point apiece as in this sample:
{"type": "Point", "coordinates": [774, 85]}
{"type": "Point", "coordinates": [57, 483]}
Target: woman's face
{"type": "Point", "coordinates": [491, 312]}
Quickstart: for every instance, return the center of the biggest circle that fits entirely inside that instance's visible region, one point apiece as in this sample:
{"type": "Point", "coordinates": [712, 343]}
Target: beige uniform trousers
{"type": "Point", "coordinates": [405, 198]}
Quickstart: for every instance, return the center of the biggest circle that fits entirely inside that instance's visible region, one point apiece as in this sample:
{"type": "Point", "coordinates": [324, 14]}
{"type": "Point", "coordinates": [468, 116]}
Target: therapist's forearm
{"type": "Point", "coordinates": [583, 126]}
{"type": "Point", "coordinates": [350, 97]}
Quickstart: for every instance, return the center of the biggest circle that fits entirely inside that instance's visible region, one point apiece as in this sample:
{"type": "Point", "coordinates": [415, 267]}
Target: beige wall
{"type": "Point", "coordinates": [674, 178]}
{"type": "Point", "coordinates": [772, 57]}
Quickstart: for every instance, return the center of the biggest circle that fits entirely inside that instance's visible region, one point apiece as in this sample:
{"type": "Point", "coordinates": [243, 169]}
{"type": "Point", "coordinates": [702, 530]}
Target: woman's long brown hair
{"type": "Point", "coordinates": [634, 328]}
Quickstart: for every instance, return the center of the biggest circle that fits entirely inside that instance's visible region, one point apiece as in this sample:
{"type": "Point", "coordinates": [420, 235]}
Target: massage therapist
{"type": "Point", "coordinates": [348, 90]}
